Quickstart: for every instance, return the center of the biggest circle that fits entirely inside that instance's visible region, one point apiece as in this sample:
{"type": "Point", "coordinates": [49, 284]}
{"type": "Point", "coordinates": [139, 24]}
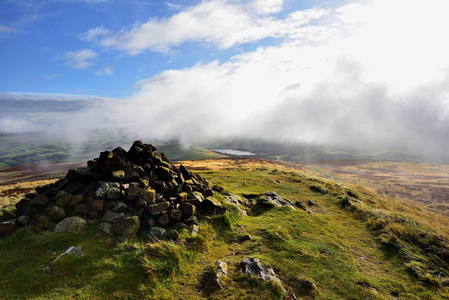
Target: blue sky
{"type": "Point", "coordinates": [360, 73]}
{"type": "Point", "coordinates": [40, 41]}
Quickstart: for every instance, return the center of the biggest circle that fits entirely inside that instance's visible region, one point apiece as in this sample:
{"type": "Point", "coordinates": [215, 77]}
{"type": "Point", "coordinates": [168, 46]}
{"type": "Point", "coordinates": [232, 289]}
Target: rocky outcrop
{"type": "Point", "coordinates": [121, 191]}
{"type": "Point", "coordinates": [270, 199]}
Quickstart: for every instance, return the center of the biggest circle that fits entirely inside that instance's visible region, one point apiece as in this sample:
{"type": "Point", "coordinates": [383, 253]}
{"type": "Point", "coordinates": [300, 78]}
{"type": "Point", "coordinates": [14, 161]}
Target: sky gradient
{"type": "Point", "coordinates": [370, 73]}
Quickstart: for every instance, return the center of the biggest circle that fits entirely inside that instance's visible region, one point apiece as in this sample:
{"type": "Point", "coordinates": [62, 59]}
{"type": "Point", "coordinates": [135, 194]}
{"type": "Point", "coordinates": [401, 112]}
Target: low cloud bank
{"type": "Point", "coordinates": [365, 76]}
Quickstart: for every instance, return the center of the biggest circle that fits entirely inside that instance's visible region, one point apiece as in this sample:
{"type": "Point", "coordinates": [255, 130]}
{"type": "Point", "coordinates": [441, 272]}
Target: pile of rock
{"type": "Point", "coordinates": [121, 191]}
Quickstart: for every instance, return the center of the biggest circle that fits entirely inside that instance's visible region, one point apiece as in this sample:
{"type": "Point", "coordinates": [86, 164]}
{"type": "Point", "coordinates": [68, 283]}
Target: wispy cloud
{"type": "Point", "coordinates": [104, 71]}
{"type": "Point", "coordinates": [173, 6]}
{"type": "Point", "coordinates": [221, 23]}
{"type": "Point", "coordinates": [80, 59]}
{"type": "Point", "coordinates": [267, 7]}
{"type": "Point", "coordinates": [5, 30]}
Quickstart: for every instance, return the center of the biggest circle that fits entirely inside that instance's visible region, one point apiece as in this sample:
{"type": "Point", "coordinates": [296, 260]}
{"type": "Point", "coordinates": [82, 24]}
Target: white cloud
{"type": "Point", "coordinates": [10, 125]}
{"type": "Point", "coordinates": [362, 75]}
{"type": "Point", "coordinates": [266, 7]}
{"type": "Point", "coordinates": [94, 34]}
{"type": "Point", "coordinates": [80, 59]}
{"type": "Point", "coordinates": [173, 6]}
{"type": "Point", "coordinates": [221, 23]}
{"type": "Point", "coordinates": [7, 30]}
{"type": "Point", "coordinates": [380, 81]}
{"type": "Point", "coordinates": [104, 71]}
{"type": "Point", "coordinates": [51, 76]}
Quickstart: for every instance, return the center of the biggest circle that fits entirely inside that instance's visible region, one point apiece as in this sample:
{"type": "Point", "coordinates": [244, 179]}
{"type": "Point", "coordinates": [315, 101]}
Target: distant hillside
{"type": "Point", "coordinates": [18, 149]}
{"type": "Point", "coordinates": [302, 152]}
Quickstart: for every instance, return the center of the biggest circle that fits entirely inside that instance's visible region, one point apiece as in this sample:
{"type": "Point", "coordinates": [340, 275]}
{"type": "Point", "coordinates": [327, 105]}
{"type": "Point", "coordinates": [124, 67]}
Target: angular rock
{"type": "Point", "coordinates": [163, 220]}
{"type": "Point", "coordinates": [7, 228]}
{"type": "Point", "coordinates": [44, 223]}
{"type": "Point", "coordinates": [194, 230]}
{"type": "Point", "coordinates": [23, 220]}
{"type": "Point", "coordinates": [254, 267]}
{"type": "Point", "coordinates": [271, 199]}
{"type": "Point", "coordinates": [8, 215]}
{"type": "Point", "coordinates": [195, 198]}
{"type": "Point", "coordinates": [127, 226]}
{"type": "Point", "coordinates": [71, 224]}
{"type": "Point", "coordinates": [213, 206]}
{"type": "Point", "coordinates": [208, 192]}
{"type": "Point", "coordinates": [97, 205]}
{"type": "Point", "coordinates": [63, 198]}
{"type": "Point", "coordinates": [131, 175]}
{"type": "Point", "coordinates": [109, 191]}
{"type": "Point", "coordinates": [105, 227]}
{"type": "Point", "coordinates": [120, 207]}
{"type": "Point", "coordinates": [157, 232]}
{"type": "Point", "coordinates": [164, 173]}
{"type": "Point", "coordinates": [182, 197]}
{"type": "Point", "coordinates": [211, 279]}
{"type": "Point", "coordinates": [192, 220]}
{"type": "Point", "coordinates": [222, 271]}
{"type": "Point", "coordinates": [180, 226]}
{"type": "Point", "coordinates": [82, 209]}
{"type": "Point", "coordinates": [148, 195]}
{"type": "Point", "coordinates": [40, 201]}
{"type": "Point", "coordinates": [118, 175]}
{"type": "Point", "coordinates": [173, 235]}
{"type": "Point", "coordinates": [237, 202]}
{"type": "Point", "coordinates": [22, 206]}
{"type": "Point", "coordinates": [175, 215]}
{"type": "Point", "coordinates": [56, 213]}
{"type": "Point", "coordinates": [75, 200]}
{"type": "Point", "coordinates": [112, 217]}
{"type": "Point", "coordinates": [158, 208]}
{"type": "Point", "coordinates": [188, 209]}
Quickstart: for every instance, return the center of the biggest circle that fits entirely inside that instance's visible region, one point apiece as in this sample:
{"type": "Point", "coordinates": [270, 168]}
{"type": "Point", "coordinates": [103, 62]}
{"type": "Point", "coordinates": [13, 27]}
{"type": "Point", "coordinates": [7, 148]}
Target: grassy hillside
{"type": "Point", "coordinates": [352, 243]}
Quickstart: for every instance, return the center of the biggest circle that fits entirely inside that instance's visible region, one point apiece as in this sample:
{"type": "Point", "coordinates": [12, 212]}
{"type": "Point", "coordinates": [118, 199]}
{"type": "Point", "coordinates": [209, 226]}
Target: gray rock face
{"type": "Point", "coordinates": [237, 202]}
{"type": "Point", "coordinates": [56, 213]}
{"type": "Point", "coordinates": [105, 227]}
{"type": "Point", "coordinates": [213, 206]}
{"type": "Point", "coordinates": [108, 190]}
{"type": "Point", "coordinates": [157, 232]}
{"type": "Point", "coordinates": [211, 278]}
{"type": "Point", "coordinates": [157, 208]}
{"type": "Point", "coordinates": [63, 198]}
{"type": "Point", "coordinates": [71, 224]}
{"type": "Point", "coordinates": [128, 226]}
{"type": "Point", "coordinates": [273, 199]}
{"type": "Point", "coordinates": [112, 217]}
{"type": "Point", "coordinates": [254, 267]}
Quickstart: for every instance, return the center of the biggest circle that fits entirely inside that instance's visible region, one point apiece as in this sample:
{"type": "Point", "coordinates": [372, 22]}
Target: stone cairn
{"type": "Point", "coordinates": [121, 191]}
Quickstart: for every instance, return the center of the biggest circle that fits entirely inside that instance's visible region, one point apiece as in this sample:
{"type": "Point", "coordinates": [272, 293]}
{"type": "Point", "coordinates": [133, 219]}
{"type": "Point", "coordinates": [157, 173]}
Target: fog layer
{"type": "Point", "coordinates": [366, 75]}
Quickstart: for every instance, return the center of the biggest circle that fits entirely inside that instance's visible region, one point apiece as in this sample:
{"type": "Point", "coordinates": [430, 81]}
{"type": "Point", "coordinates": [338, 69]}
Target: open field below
{"type": "Point", "coordinates": [424, 183]}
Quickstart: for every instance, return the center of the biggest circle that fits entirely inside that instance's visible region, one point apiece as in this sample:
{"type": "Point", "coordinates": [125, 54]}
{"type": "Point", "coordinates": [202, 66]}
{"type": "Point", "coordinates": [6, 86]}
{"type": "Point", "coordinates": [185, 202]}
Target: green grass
{"type": "Point", "coordinates": [363, 252]}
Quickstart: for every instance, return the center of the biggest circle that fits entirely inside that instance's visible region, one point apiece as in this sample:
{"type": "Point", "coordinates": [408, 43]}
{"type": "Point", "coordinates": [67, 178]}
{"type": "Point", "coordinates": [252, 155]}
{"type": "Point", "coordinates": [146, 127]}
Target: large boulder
{"type": "Point", "coordinates": [128, 226]}
{"type": "Point", "coordinates": [271, 199]}
{"type": "Point", "coordinates": [254, 267]}
{"type": "Point", "coordinates": [71, 224]}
